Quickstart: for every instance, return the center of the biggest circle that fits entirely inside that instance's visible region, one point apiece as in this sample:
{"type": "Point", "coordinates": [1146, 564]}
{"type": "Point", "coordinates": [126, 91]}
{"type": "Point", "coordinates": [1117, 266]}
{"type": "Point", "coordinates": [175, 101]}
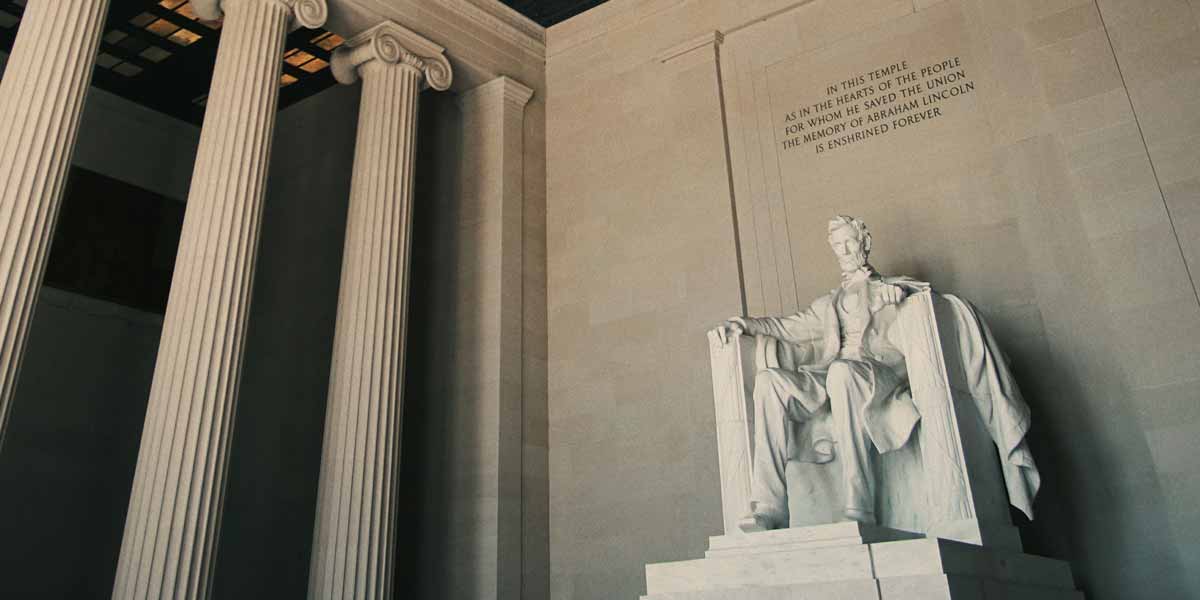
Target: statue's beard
{"type": "Point", "coordinates": [852, 262]}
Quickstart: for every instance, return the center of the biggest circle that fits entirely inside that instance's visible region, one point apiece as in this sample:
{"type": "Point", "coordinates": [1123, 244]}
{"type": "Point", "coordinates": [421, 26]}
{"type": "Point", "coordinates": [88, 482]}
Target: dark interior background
{"type": "Point", "coordinates": [115, 241]}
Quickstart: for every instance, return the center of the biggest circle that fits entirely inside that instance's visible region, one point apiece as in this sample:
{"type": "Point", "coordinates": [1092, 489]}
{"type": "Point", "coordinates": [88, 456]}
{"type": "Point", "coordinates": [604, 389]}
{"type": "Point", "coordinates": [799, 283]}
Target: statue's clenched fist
{"type": "Point", "coordinates": [732, 327]}
{"type": "Point", "coordinates": [892, 294]}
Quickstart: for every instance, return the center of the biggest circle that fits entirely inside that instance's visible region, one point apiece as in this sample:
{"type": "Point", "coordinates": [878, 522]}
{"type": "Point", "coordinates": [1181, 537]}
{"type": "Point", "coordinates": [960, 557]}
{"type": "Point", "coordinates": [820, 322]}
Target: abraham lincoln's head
{"type": "Point", "coordinates": [851, 242]}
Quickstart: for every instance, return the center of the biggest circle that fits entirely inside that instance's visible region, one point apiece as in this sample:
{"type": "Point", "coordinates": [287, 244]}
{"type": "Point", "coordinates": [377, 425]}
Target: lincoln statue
{"type": "Point", "coordinates": [851, 378]}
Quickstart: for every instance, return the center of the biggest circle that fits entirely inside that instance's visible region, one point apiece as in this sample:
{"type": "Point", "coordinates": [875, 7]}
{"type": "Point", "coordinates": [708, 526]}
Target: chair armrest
{"type": "Point", "coordinates": [734, 414]}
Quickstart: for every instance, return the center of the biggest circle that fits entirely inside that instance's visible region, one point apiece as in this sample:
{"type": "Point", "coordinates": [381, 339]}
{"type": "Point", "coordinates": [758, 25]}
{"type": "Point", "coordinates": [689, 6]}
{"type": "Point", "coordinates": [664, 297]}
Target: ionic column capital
{"type": "Point", "coordinates": [514, 93]}
{"type": "Point", "coordinates": [309, 14]}
{"type": "Point", "coordinates": [392, 44]}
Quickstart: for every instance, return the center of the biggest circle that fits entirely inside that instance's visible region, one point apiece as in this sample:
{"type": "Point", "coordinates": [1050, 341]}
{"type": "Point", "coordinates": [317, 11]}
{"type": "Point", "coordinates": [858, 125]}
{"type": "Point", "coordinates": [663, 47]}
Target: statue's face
{"type": "Point", "coordinates": [848, 249]}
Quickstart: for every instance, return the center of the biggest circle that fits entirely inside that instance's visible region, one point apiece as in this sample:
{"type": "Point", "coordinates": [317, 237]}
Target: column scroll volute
{"type": "Point", "coordinates": [392, 44]}
{"type": "Point", "coordinates": [309, 14]}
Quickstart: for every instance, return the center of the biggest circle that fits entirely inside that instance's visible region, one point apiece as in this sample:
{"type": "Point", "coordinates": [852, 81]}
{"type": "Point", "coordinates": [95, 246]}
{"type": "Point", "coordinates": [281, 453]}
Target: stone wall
{"type": "Point", "coordinates": [641, 262]}
{"type": "Point", "coordinates": [474, 484]}
{"type": "Point", "coordinates": [1059, 194]}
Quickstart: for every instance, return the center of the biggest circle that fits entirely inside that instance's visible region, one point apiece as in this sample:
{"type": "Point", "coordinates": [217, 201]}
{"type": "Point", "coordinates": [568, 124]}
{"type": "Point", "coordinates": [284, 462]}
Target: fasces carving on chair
{"type": "Point", "coordinates": [882, 403]}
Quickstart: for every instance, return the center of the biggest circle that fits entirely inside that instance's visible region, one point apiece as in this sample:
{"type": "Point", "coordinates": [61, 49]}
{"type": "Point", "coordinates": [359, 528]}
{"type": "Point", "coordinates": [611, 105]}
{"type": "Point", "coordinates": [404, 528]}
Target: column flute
{"type": "Point", "coordinates": [174, 514]}
{"type": "Point", "coordinates": [41, 100]}
{"type": "Point", "coordinates": [356, 506]}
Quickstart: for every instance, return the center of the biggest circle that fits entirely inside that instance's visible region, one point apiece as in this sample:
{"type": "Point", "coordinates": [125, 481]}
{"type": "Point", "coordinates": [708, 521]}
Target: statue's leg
{"type": "Point", "coordinates": [776, 394]}
{"type": "Point", "coordinates": [850, 385]}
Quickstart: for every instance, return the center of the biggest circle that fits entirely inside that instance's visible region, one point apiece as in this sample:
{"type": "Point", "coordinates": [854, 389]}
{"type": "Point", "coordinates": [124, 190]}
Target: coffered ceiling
{"type": "Point", "coordinates": [158, 53]}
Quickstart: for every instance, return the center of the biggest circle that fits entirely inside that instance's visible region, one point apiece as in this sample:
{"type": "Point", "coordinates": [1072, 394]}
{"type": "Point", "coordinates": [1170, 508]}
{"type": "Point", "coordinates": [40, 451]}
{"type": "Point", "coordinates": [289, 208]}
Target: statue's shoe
{"type": "Point", "coordinates": [762, 521]}
{"type": "Point", "coordinates": [862, 516]}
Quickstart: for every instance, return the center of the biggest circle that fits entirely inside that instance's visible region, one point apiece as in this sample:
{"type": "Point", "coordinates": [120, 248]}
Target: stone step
{"type": "Point", "coordinates": [913, 587]}
{"type": "Point", "coordinates": [858, 589]}
{"type": "Point", "coordinates": [960, 587]}
{"type": "Point", "coordinates": [801, 538]}
{"type": "Point", "coordinates": [936, 556]}
{"type": "Point", "coordinates": [836, 563]}
{"type": "Point", "coordinates": [774, 561]}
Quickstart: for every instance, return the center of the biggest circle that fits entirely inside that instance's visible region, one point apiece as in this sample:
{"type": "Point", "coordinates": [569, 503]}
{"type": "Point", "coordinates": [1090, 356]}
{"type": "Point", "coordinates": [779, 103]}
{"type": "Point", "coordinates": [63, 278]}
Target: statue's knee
{"type": "Point", "coordinates": [765, 379]}
{"type": "Point", "coordinates": [765, 385]}
{"type": "Point", "coordinates": [838, 374]}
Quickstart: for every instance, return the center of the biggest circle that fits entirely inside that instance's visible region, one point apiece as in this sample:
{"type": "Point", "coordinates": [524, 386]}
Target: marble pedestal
{"type": "Point", "coordinates": [849, 561]}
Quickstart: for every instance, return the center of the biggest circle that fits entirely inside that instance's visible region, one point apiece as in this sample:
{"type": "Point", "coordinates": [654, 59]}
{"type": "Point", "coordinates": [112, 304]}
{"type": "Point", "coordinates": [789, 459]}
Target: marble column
{"type": "Point", "coordinates": [356, 507]}
{"type": "Point", "coordinates": [41, 100]}
{"type": "Point", "coordinates": [491, 184]}
{"type": "Point", "coordinates": [174, 514]}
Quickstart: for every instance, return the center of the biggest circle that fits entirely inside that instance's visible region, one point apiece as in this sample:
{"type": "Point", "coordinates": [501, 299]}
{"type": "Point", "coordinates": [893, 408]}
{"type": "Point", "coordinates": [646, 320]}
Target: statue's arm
{"type": "Point", "coordinates": [802, 328]}
{"type": "Point", "coordinates": [908, 284]}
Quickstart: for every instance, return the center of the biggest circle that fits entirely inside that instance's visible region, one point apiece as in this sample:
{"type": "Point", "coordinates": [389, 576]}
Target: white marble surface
{"type": "Point", "coordinates": [839, 390]}
{"type": "Point", "coordinates": [955, 587]}
{"type": "Point", "coordinates": [855, 589]}
{"type": "Point", "coordinates": [850, 560]}
{"type": "Point", "coordinates": [933, 556]}
{"type": "Point", "coordinates": [1037, 200]}
{"type": "Point", "coordinates": [849, 533]}
{"type": "Point", "coordinates": [734, 423]}
{"type": "Point", "coordinates": [493, 207]}
{"type": "Point", "coordinates": [761, 568]}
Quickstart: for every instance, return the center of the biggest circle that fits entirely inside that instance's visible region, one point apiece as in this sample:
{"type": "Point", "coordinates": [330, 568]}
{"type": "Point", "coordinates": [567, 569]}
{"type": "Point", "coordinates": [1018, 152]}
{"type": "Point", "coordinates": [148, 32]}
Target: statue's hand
{"type": "Point", "coordinates": [734, 326]}
{"type": "Point", "coordinates": [893, 294]}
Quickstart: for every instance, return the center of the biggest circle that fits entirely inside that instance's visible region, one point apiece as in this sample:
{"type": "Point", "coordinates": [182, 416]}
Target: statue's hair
{"type": "Point", "coordinates": [860, 230]}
